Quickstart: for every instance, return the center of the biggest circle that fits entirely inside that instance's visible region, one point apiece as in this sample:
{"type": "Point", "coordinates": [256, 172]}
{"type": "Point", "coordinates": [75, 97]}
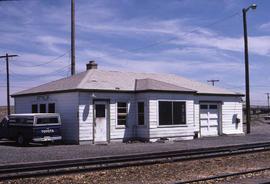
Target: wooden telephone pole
{"type": "Point", "coordinates": [268, 103]}
{"type": "Point", "coordinates": [213, 81]}
{"type": "Point", "coordinates": [7, 56]}
{"type": "Point", "coordinates": [72, 37]}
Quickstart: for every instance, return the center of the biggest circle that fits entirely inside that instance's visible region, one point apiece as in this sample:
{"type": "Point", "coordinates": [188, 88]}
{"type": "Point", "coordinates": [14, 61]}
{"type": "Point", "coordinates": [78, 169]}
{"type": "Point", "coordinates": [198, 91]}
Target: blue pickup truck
{"type": "Point", "coordinates": [25, 128]}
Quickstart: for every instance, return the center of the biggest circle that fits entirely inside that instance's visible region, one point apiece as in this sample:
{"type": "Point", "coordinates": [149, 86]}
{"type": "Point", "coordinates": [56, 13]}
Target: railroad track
{"type": "Point", "coordinates": [224, 176]}
{"type": "Point", "coordinates": [14, 171]}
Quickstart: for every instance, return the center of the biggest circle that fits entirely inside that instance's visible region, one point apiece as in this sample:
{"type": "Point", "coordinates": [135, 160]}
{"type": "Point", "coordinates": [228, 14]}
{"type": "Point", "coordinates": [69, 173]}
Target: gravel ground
{"type": "Point", "coordinates": [9, 153]}
{"type": "Point", "coordinates": [169, 172]}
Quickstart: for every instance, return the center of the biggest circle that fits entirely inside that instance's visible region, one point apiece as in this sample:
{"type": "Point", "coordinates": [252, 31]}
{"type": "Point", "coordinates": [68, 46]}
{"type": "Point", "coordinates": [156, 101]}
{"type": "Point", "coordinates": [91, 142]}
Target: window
{"type": "Point", "coordinates": [204, 106]}
{"type": "Point", "coordinates": [121, 113]}
{"type": "Point", "coordinates": [172, 113]}
{"type": "Point", "coordinates": [100, 111]}
{"type": "Point", "coordinates": [34, 108]}
{"type": "Point", "coordinates": [212, 106]}
{"type": "Point", "coordinates": [51, 108]}
{"type": "Point", "coordinates": [47, 121]}
{"type": "Point", "coordinates": [42, 108]}
{"type": "Point", "coordinates": [140, 113]}
{"type": "Point", "coordinates": [23, 120]}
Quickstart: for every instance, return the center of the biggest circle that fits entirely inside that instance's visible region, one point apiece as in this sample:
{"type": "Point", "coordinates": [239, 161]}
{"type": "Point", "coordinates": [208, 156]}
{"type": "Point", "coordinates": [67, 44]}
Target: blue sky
{"type": "Point", "coordinates": [198, 39]}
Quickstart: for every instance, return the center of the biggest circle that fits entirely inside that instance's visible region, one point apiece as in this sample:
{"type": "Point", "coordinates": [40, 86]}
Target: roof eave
{"type": "Point", "coordinates": [100, 90]}
{"type": "Point", "coordinates": [128, 91]}
{"type": "Point", "coordinates": [221, 94]}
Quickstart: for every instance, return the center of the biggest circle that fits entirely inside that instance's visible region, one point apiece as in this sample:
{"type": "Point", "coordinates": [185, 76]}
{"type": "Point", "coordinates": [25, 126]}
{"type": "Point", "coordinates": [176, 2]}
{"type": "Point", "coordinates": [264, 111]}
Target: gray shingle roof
{"type": "Point", "coordinates": [97, 79]}
{"type": "Point", "coordinates": [151, 84]}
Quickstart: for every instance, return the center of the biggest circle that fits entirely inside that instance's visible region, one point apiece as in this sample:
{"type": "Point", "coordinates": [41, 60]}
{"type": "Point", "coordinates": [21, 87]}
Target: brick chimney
{"type": "Point", "coordinates": [91, 65]}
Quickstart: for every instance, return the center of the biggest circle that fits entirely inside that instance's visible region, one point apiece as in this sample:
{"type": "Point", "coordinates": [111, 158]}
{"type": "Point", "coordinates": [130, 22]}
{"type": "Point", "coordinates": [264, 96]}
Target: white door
{"type": "Point", "coordinates": [100, 122]}
{"type": "Point", "coordinates": [209, 119]}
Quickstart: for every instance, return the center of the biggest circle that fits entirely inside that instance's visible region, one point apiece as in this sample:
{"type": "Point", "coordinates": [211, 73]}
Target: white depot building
{"type": "Point", "coordinates": [103, 106]}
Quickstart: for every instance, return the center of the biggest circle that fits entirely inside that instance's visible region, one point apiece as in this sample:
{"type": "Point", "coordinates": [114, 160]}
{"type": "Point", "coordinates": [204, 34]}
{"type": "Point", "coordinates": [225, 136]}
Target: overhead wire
{"type": "Point", "coordinates": [172, 38]}
{"type": "Point", "coordinates": [39, 75]}
{"type": "Point", "coordinates": [55, 59]}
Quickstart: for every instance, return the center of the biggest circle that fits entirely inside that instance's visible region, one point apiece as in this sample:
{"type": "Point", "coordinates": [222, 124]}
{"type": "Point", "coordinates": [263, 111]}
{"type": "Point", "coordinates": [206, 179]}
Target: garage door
{"type": "Point", "coordinates": [209, 119]}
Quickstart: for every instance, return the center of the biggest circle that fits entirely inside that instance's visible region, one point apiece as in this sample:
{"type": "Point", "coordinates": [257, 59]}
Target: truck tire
{"type": "Point", "coordinates": [21, 140]}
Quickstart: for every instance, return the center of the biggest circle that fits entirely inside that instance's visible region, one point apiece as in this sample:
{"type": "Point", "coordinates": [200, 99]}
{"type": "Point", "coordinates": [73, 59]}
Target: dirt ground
{"type": "Point", "coordinates": [166, 173]}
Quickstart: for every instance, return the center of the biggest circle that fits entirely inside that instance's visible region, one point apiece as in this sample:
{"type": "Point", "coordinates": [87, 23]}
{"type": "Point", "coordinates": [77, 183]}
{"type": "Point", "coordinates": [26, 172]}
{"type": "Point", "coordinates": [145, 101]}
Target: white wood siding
{"type": "Point", "coordinates": [231, 110]}
{"type": "Point", "coordinates": [180, 131]}
{"type": "Point", "coordinates": [143, 131]}
{"type": "Point", "coordinates": [76, 110]}
{"type": "Point", "coordinates": [65, 103]}
{"type": "Point", "coordinates": [231, 107]}
{"type": "Point", "coordinates": [116, 132]}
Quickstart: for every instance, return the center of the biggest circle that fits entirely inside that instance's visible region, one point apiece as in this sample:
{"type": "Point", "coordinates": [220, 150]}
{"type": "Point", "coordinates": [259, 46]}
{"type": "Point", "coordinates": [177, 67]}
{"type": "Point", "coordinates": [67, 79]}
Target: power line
{"type": "Point", "coordinates": [40, 75]}
{"type": "Point", "coordinates": [172, 38]}
{"type": "Point", "coordinates": [4, 86]}
{"type": "Point", "coordinates": [58, 57]}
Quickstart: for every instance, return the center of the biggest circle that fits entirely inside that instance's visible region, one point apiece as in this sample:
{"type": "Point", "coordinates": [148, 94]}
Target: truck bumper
{"type": "Point", "coordinates": [47, 139]}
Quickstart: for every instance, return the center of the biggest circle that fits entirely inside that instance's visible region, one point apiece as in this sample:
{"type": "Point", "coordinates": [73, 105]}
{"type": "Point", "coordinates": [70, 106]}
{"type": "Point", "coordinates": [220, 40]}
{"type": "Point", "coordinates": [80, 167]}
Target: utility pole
{"type": "Point", "coordinates": [244, 10]}
{"type": "Point", "coordinates": [213, 81]}
{"type": "Point", "coordinates": [268, 102]}
{"type": "Point", "coordinates": [72, 37]}
{"type": "Point", "coordinates": [7, 56]}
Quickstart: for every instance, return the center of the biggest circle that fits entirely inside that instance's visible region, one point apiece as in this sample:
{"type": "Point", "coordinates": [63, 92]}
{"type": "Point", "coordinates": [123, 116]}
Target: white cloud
{"type": "Point", "coordinates": [52, 43]}
{"type": "Point", "coordinates": [265, 26]}
{"type": "Point", "coordinates": [193, 50]}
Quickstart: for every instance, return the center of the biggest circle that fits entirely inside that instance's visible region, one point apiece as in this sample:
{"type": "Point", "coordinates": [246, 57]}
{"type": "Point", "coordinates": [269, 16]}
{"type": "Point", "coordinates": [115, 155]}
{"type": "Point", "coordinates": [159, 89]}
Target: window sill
{"type": "Point", "coordinates": [121, 126]}
{"type": "Point", "coordinates": [171, 126]}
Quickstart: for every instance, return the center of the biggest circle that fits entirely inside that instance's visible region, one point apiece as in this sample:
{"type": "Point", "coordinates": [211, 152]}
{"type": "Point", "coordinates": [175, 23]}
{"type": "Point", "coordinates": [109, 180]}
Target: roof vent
{"type": "Point", "coordinates": [91, 65]}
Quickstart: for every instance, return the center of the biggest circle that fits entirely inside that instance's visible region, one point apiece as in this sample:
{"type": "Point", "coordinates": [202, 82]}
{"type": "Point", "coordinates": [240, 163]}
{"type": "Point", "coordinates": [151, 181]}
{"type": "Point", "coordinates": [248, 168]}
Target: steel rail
{"type": "Point", "coordinates": [13, 171]}
{"type": "Point", "coordinates": [223, 176]}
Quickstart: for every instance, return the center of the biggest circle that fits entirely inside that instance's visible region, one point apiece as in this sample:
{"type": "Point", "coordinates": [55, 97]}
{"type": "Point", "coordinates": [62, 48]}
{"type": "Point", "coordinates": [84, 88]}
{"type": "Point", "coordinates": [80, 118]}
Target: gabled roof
{"type": "Point", "coordinates": [102, 80]}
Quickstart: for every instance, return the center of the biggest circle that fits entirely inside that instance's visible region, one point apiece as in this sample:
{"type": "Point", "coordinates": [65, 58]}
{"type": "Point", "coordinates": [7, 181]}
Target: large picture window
{"type": "Point", "coordinates": [140, 113]}
{"type": "Point", "coordinates": [121, 113]}
{"type": "Point", "coordinates": [172, 113]}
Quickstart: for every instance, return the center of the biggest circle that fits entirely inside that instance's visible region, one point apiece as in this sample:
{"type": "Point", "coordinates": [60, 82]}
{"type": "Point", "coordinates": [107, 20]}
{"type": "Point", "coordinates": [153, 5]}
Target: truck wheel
{"type": "Point", "coordinates": [46, 143]}
{"type": "Point", "coordinates": [21, 140]}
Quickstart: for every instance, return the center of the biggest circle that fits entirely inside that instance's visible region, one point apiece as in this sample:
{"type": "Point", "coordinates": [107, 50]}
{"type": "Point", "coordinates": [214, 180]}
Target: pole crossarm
{"type": "Point", "coordinates": [213, 81]}
{"type": "Point", "coordinates": [8, 56]}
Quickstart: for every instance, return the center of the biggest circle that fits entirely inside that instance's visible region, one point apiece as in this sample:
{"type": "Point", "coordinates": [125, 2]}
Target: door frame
{"type": "Point", "coordinates": [107, 106]}
{"type": "Point", "coordinates": [219, 104]}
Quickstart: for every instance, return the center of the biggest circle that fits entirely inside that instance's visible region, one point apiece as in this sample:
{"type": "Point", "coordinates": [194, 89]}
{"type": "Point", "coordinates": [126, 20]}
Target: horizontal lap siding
{"type": "Point", "coordinates": [86, 115]}
{"type": "Point", "coordinates": [229, 110]}
{"type": "Point", "coordinates": [230, 106]}
{"type": "Point", "coordinates": [171, 131]}
{"type": "Point", "coordinates": [65, 104]}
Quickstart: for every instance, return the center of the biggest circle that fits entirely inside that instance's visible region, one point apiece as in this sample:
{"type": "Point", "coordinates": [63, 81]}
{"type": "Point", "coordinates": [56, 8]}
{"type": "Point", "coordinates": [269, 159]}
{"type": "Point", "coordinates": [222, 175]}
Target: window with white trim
{"type": "Point", "coordinates": [51, 108]}
{"type": "Point", "coordinates": [42, 108]}
{"type": "Point", "coordinates": [140, 113]}
{"type": "Point", "coordinates": [34, 108]}
{"type": "Point", "coordinates": [122, 113]}
{"type": "Point", "coordinates": [172, 113]}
